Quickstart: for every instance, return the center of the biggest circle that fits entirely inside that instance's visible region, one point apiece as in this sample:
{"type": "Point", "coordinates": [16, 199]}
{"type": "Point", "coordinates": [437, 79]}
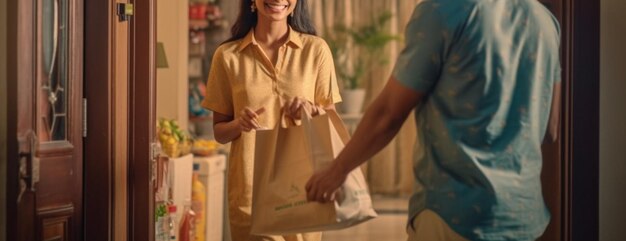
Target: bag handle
{"type": "Point", "coordinates": [338, 123]}
{"type": "Point", "coordinates": [308, 110]}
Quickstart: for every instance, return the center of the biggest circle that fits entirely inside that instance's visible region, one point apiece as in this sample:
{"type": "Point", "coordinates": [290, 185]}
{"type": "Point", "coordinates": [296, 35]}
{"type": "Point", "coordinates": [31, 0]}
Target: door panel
{"type": "Point", "coordinates": [49, 96]}
{"type": "Point", "coordinates": [56, 224]}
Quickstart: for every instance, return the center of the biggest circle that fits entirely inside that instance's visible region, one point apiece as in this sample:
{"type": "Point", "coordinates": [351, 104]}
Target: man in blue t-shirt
{"type": "Point", "coordinates": [484, 79]}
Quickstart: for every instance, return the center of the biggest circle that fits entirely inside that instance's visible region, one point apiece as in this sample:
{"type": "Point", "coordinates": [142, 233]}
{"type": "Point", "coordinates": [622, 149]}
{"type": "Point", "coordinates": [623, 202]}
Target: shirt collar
{"type": "Point", "coordinates": [293, 39]}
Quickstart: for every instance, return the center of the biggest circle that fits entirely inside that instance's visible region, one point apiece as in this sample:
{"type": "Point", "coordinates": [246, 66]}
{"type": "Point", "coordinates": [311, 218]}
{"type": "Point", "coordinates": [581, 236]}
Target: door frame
{"type": "Point", "coordinates": [100, 73]}
{"type": "Point", "coordinates": [580, 125]}
{"type": "Point", "coordinates": [100, 142]}
{"type": "Point", "coordinates": [577, 217]}
{"type": "Point", "coordinates": [12, 145]}
{"type": "Point", "coordinates": [142, 121]}
{"type": "Point", "coordinates": [582, 120]}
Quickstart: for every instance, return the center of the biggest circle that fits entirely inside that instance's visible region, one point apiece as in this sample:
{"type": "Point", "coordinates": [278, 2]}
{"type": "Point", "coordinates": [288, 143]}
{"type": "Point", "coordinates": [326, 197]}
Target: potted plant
{"type": "Point", "coordinates": [356, 51]}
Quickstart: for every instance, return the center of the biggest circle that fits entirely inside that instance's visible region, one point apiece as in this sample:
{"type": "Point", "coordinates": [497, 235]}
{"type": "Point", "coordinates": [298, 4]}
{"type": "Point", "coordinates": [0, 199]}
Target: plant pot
{"type": "Point", "coordinates": [352, 101]}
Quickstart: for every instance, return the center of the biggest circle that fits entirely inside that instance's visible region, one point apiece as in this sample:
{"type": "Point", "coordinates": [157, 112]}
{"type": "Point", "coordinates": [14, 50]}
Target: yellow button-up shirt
{"type": "Point", "coordinates": [242, 76]}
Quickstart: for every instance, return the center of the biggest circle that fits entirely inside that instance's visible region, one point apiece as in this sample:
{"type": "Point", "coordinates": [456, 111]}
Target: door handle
{"type": "Point", "coordinates": [29, 162]}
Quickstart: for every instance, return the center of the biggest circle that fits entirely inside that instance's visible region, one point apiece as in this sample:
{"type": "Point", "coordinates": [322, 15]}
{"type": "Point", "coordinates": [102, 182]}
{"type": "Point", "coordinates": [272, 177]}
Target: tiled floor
{"type": "Point", "coordinates": [388, 226]}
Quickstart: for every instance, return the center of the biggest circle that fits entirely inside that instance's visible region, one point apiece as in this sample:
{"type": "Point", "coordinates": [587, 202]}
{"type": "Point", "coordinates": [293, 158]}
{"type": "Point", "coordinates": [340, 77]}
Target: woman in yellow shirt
{"type": "Point", "coordinates": [273, 60]}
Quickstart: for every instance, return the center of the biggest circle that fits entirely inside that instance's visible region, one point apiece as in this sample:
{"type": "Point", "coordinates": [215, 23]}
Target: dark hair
{"type": "Point", "coordinates": [247, 20]}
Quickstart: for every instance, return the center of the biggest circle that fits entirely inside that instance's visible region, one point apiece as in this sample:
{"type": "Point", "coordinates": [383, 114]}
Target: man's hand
{"type": "Point", "coordinates": [323, 185]}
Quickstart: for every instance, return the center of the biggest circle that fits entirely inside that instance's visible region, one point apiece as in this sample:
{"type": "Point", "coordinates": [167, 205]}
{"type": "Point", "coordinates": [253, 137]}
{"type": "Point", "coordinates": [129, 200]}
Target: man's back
{"type": "Point", "coordinates": [489, 67]}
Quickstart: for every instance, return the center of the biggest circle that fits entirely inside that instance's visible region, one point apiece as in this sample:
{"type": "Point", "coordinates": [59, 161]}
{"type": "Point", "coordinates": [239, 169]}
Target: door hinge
{"type": "Point", "coordinates": [155, 150]}
{"type": "Point", "coordinates": [84, 117]}
{"type": "Point", "coordinates": [124, 11]}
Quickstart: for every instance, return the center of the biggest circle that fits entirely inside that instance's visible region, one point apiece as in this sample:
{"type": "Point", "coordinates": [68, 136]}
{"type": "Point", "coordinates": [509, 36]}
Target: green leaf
{"type": "Point", "coordinates": [365, 43]}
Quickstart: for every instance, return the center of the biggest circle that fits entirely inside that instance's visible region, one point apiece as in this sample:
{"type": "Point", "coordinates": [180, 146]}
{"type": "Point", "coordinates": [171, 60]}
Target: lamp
{"type": "Point", "coordinates": [161, 59]}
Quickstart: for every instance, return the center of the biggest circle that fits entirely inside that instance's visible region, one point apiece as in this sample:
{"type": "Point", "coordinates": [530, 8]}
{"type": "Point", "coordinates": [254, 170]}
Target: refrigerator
{"type": "Point", "coordinates": [212, 175]}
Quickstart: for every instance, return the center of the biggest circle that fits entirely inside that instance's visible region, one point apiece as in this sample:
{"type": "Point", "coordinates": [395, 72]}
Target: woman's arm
{"type": "Point", "coordinates": [226, 128]}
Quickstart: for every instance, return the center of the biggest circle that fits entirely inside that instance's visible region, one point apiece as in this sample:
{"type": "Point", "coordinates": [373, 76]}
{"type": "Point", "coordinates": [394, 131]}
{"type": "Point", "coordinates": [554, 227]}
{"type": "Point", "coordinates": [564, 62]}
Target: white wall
{"type": "Point", "coordinates": [172, 82]}
{"type": "Point", "coordinates": [612, 120]}
{"type": "Point", "coordinates": [3, 115]}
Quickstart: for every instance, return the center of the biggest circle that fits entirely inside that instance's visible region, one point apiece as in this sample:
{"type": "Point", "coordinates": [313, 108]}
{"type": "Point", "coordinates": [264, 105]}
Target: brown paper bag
{"type": "Point", "coordinates": [285, 159]}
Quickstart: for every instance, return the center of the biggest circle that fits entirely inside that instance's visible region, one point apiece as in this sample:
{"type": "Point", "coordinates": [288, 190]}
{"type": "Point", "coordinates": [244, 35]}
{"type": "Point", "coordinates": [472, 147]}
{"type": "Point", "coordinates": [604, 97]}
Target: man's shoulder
{"type": "Point", "coordinates": [449, 4]}
{"type": "Point", "coordinates": [450, 13]}
{"type": "Point", "coordinates": [448, 8]}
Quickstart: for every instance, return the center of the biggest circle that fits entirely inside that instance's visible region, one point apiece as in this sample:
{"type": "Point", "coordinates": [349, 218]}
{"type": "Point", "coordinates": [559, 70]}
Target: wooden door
{"type": "Point", "coordinates": [49, 128]}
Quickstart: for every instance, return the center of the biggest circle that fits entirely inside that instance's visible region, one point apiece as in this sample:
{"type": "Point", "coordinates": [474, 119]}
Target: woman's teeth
{"type": "Point", "coordinates": [276, 7]}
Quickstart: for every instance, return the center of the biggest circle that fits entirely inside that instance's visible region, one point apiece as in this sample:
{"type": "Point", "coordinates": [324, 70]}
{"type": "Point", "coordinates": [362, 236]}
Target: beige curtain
{"type": "Point", "coordinates": [390, 171]}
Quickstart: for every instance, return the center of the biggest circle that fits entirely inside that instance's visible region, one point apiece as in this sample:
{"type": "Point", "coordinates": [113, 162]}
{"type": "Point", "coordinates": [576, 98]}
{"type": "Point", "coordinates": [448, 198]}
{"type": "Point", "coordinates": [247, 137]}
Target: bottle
{"type": "Point", "coordinates": [161, 223]}
{"type": "Point", "coordinates": [171, 223]}
{"type": "Point", "coordinates": [198, 201]}
{"type": "Point", "coordinates": [187, 223]}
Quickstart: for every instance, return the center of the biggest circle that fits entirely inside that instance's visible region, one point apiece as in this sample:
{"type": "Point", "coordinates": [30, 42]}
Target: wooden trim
{"type": "Point", "coordinates": [566, 63]}
{"type": "Point", "coordinates": [583, 107]}
{"type": "Point", "coordinates": [76, 52]}
{"type": "Point", "coordinates": [120, 40]}
{"type": "Point", "coordinates": [12, 145]}
{"type": "Point", "coordinates": [25, 63]}
{"type": "Point", "coordinates": [142, 119]}
{"type": "Point", "coordinates": [99, 143]}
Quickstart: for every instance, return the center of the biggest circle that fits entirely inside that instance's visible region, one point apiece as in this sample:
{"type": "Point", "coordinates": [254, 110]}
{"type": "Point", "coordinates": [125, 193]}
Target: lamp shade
{"type": "Point", "coordinates": [161, 59]}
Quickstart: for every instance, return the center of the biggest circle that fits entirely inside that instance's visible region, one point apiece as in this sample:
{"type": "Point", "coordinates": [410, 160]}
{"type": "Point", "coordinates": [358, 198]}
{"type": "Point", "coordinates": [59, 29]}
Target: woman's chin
{"type": "Point", "coordinates": [276, 17]}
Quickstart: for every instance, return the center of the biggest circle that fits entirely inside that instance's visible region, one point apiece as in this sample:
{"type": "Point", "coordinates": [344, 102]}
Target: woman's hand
{"type": "Point", "coordinates": [293, 108]}
{"type": "Point", "coordinates": [248, 119]}
{"type": "Point", "coordinates": [227, 128]}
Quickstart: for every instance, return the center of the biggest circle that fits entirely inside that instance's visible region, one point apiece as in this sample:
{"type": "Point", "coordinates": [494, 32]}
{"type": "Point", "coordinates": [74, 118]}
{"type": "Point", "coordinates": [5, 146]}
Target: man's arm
{"type": "Point", "coordinates": [380, 123]}
{"type": "Point", "coordinates": [552, 132]}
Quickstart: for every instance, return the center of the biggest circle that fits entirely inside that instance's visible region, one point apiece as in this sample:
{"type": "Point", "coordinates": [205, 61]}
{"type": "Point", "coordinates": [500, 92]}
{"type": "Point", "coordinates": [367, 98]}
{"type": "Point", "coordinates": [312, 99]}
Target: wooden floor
{"type": "Point", "coordinates": [388, 226]}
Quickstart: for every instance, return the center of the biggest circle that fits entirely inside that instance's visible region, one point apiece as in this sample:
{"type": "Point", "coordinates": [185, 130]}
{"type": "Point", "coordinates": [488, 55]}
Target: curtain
{"type": "Point", "coordinates": [391, 170]}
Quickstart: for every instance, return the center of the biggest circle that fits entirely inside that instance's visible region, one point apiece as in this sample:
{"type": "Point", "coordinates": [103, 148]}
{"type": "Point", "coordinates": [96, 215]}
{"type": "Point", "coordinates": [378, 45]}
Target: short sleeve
{"type": "Point", "coordinates": [557, 39]}
{"type": "Point", "coordinates": [559, 70]}
{"type": "Point", "coordinates": [419, 64]}
{"type": "Point", "coordinates": [218, 90]}
{"type": "Point", "coordinates": [326, 88]}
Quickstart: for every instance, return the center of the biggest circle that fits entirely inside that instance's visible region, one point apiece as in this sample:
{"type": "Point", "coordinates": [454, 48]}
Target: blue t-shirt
{"type": "Point", "coordinates": [488, 68]}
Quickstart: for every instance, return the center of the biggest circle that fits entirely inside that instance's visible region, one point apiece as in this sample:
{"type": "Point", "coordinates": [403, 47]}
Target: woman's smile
{"type": "Point", "coordinates": [276, 8]}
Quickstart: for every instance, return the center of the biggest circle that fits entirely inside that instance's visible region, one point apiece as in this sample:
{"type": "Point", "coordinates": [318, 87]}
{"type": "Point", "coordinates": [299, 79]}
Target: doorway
{"type": "Point", "coordinates": [73, 135]}
{"type": "Point", "coordinates": [86, 66]}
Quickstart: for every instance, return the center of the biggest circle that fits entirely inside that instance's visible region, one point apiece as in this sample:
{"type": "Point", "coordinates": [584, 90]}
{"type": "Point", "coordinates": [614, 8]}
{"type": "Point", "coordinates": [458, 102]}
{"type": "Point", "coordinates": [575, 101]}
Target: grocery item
{"type": "Point", "coordinates": [202, 147]}
{"type": "Point", "coordinates": [160, 228]}
{"type": "Point", "coordinates": [171, 223]}
{"type": "Point", "coordinates": [174, 141]}
{"type": "Point", "coordinates": [198, 200]}
{"type": "Point", "coordinates": [187, 224]}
